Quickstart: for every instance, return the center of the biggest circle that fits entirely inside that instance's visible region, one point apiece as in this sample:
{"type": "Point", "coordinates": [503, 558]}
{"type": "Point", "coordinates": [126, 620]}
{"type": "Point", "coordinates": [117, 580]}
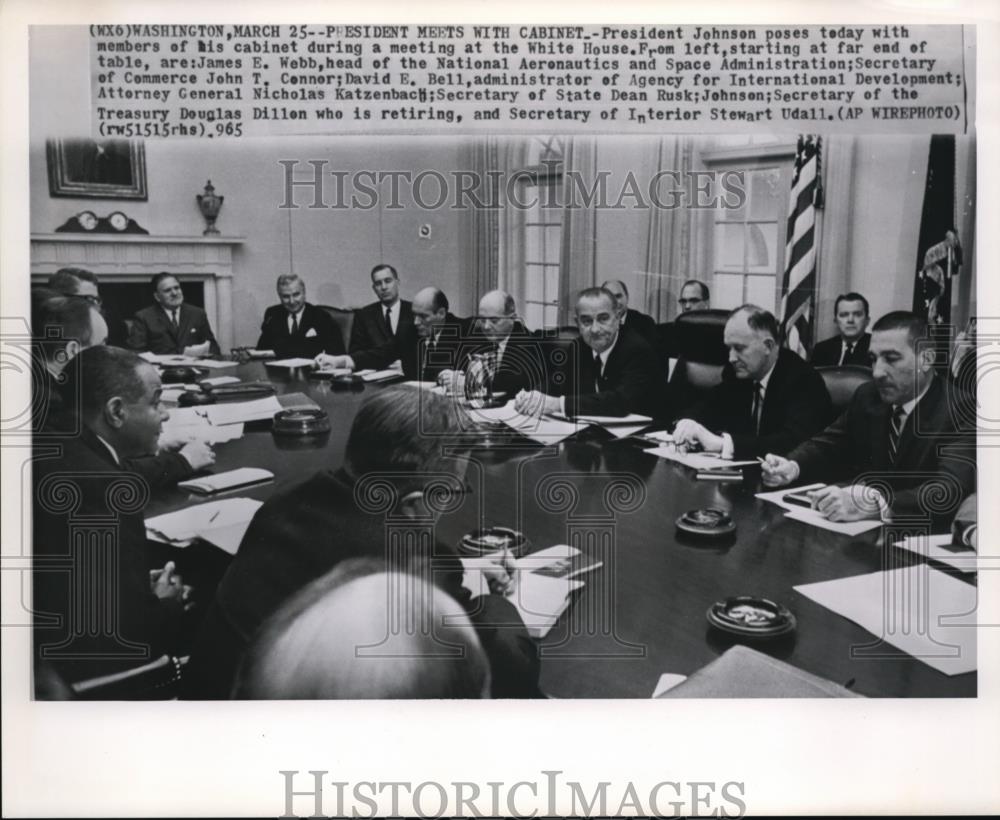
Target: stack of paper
{"type": "Point", "coordinates": [697, 461]}
{"type": "Point", "coordinates": [921, 611]}
{"type": "Point", "coordinates": [216, 381]}
{"type": "Point", "coordinates": [242, 411]}
{"type": "Point", "coordinates": [192, 424]}
{"type": "Point", "coordinates": [939, 548]}
{"type": "Point", "coordinates": [290, 363]}
{"type": "Point", "coordinates": [543, 429]}
{"type": "Point", "coordinates": [223, 523]}
{"type": "Point", "coordinates": [378, 375]}
{"type": "Point", "coordinates": [217, 482]}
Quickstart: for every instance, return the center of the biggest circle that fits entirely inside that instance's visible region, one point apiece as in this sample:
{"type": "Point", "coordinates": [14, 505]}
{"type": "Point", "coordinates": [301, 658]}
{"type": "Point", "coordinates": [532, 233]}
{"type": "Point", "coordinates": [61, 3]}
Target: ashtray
{"type": "Point", "coordinates": [493, 539]}
{"type": "Point", "coordinates": [306, 421]}
{"type": "Point", "coordinates": [182, 374]}
{"type": "Point", "coordinates": [751, 617]}
{"type": "Point", "coordinates": [708, 521]}
{"type": "Point", "coordinates": [347, 383]}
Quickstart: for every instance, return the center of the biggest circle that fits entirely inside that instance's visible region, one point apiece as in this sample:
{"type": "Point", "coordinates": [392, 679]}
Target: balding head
{"type": "Point", "coordinates": [430, 308]}
{"type": "Point", "coordinates": [497, 314]}
{"type": "Point", "coordinates": [382, 635]}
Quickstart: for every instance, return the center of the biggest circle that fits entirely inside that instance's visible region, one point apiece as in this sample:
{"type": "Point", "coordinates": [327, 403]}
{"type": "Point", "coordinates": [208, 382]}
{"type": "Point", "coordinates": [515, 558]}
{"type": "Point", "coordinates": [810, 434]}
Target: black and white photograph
{"type": "Point", "coordinates": [634, 375]}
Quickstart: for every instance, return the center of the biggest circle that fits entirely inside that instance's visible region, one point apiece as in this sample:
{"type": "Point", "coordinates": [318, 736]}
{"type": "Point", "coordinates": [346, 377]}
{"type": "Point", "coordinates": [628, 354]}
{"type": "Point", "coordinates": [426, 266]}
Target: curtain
{"type": "Point", "coordinates": [833, 262]}
{"type": "Point", "coordinates": [577, 259]}
{"type": "Point", "coordinates": [668, 239]}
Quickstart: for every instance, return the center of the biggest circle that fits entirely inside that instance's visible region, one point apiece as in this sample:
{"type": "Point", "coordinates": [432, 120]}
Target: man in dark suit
{"type": "Point", "coordinates": [373, 507]}
{"type": "Point", "coordinates": [850, 345]}
{"type": "Point", "coordinates": [170, 326]}
{"type": "Point", "coordinates": [381, 322]}
{"type": "Point", "coordinates": [98, 608]}
{"type": "Point", "coordinates": [694, 296]}
{"type": "Point", "coordinates": [613, 372]}
{"type": "Point", "coordinates": [295, 327]}
{"type": "Point", "coordinates": [501, 355]}
{"type": "Point", "coordinates": [898, 447]}
{"type": "Point", "coordinates": [431, 345]}
{"type": "Point", "coordinates": [82, 284]}
{"type": "Point", "coordinates": [642, 324]}
{"type": "Point", "coordinates": [769, 399]}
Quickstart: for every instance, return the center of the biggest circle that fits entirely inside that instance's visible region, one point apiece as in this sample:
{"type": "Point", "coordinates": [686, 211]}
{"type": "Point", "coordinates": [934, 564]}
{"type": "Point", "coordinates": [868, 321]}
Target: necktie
{"type": "Point", "coordinates": [757, 406]}
{"type": "Point", "coordinates": [599, 368]}
{"type": "Point", "coordinates": [295, 323]}
{"type": "Point", "coordinates": [173, 318]}
{"type": "Point", "coordinates": [388, 321]}
{"type": "Point", "coordinates": [895, 432]}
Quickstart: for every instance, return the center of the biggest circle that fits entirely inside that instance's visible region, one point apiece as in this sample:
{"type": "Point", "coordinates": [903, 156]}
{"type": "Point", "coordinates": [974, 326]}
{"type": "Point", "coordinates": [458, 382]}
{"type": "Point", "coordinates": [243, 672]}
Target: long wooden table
{"type": "Point", "coordinates": [642, 613]}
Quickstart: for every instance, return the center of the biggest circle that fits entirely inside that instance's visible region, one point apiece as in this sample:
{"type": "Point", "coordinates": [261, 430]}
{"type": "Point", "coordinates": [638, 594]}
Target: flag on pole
{"type": "Point", "coordinates": [798, 288]}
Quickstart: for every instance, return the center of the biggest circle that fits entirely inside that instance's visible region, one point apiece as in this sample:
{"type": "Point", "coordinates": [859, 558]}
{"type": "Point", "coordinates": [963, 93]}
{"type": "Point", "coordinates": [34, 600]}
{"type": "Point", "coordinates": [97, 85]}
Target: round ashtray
{"type": "Point", "coordinates": [182, 374]}
{"type": "Point", "coordinates": [347, 383]}
{"type": "Point", "coordinates": [493, 539]}
{"type": "Point", "coordinates": [751, 617]}
{"type": "Point", "coordinates": [709, 521]}
{"type": "Point", "coordinates": [307, 421]}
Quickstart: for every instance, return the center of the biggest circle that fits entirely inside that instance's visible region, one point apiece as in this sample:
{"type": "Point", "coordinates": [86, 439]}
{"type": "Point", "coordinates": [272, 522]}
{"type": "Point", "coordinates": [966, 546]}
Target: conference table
{"type": "Point", "coordinates": [643, 613]}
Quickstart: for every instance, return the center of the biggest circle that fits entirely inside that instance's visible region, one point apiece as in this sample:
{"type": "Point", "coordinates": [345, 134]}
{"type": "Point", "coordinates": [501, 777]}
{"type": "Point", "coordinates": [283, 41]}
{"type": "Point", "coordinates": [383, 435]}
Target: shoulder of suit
{"type": "Point", "coordinates": [148, 312]}
{"type": "Point", "coordinates": [193, 309]}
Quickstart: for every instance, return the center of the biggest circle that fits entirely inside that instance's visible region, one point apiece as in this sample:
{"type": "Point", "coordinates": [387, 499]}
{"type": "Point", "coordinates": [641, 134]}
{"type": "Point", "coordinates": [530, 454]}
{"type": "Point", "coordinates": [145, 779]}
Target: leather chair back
{"type": "Point", "coordinates": [344, 319]}
{"type": "Point", "coordinates": [842, 381]}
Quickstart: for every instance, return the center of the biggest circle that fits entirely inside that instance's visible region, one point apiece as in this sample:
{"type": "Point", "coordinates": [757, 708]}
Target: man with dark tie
{"type": "Point", "coordinates": [501, 354]}
{"type": "Point", "coordinates": [171, 326]}
{"type": "Point", "coordinates": [898, 448]}
{"type": "Point", "coordinates": [632, 319]}
{"type": "Point", "coordinates": [431, 345]}
{"type": "Point", "coordinates": [612, 373]}
{"type": "Point", "coordinates": [850, 345]}
{"type": "Point", "coordinates": [295, 327]}
{"type": "Point", "coordinates": [769, 399]}
{"type": "Point", "coordinates": [380, 322]}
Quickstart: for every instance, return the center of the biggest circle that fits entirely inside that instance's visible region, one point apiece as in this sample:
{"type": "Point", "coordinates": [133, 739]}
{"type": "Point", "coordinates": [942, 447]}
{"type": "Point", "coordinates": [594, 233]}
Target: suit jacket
{"type": "Point", "coordinates": [300, 534]}
{"type": "Point", "coordinates": [422, 360]}
{"type": "Point", "coordinates": [796, 405]}
{"type": "Point", "coordinates": [645, 326]}
{"type": "Point", "coordinates": [631, 382]}
{"type": "Point", "coordinates": [855, 449]}
{"type": "Point", "coordinates": [97, 566]}
{"type": "Point", "coordinates": [317, 333]}
{"type": "Point", "coordinates": [521, 366]}
{"type": "Point", "coordinates": [368, 330]}
{"type": "Point", "coordinates": [153, 331]}
{"type": "Point", "coordinates": [827, 352]}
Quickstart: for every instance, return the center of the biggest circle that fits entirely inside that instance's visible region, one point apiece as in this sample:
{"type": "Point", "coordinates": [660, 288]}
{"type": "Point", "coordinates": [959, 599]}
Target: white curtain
{"type": "Point", "coordinates": [577, 259]}
{"type": "Point", "coordinates": [834, 221]}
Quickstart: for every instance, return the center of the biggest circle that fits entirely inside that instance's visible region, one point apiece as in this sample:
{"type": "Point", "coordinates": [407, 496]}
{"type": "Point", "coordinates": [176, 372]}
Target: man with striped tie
{"type": "Point", "coordinates": [899, 449]}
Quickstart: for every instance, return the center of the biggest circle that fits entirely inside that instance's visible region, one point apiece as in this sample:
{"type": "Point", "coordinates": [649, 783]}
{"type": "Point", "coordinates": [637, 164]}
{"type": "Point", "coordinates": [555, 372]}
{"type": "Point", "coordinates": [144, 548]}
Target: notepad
{"type": "Point", "coordinates": [216, 381]}
{"type": "Point", "coordinates": [919, 610]}
{"type": "Point", "coordinates": [697, 461]}
{"type": "Point", "coordinates": [938, 548]}
{"type": "Point", "coordinates": [296, 361]}
{"type": "Point", "coordinates": [778, 496]}
{"type": "Point", "coordinates": [816, 518]}
{"type": "Point", "coordinates": [378, 375]}
{"type": "Point", "coordinates": [222, 523]}
{"type": "Point", "coordinates": [229, 480]}
{"type": "Point", "coordinates": [242, 411]}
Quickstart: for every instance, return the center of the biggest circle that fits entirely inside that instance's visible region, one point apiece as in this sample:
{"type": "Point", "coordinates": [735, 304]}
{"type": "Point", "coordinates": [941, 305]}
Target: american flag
{"type": "Point", "coordinates": [798, 287]}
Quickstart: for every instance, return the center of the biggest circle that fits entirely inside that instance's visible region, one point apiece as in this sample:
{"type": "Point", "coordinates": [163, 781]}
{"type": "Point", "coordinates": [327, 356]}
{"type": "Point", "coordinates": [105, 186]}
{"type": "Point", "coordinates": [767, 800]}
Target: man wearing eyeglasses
{"type": "Point", "coordinates": [694, 296]}
{"type": "Point", "coordinates": [82, 284]}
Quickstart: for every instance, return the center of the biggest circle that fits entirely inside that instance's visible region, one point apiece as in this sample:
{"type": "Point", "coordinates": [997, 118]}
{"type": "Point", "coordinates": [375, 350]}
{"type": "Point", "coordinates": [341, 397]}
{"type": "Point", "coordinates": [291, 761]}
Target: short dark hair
{"type": "Point", "coordinates": [390, 268]}
{"type": "Point", "coordinates": [69, 318]}
{"type": "Point", "coordinates": [596, 293]}
{"type": "Point", "coordinates": [103, 373]}
{"type": "Point", "coordinates": [159, 277]}
{"type": "Point", "coordinates": [704, 288]}
{"type": "Point", "coordinates": [759, 319]}
{"type": "Point", "coordinates": [67, 280]}
{"type": "Point", "coordinates": [440, 300]}
{"type": "Point", "coordinates": [400, 429]}
{"type": "Point", "coordinates": [914, 325]}
{"type": "Point", "coordinates": [850, 297]}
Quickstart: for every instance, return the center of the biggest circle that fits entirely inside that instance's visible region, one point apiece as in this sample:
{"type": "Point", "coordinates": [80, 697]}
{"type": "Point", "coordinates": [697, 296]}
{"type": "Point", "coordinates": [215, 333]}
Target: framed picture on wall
{"type": "Point", "coordinates": [105, 169]}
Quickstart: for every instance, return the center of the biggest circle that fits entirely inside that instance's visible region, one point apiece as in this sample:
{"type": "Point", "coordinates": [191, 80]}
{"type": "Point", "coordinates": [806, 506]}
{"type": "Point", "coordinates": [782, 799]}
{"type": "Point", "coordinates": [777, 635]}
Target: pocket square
{"type": "Point", "coordinates": [193, 329]}
{"type": "Point", "coordinates": [310, 333]}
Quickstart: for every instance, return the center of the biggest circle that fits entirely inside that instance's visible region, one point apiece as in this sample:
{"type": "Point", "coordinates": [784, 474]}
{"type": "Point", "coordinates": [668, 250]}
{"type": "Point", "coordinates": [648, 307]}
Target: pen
{"type": "Point", "coordinates": [214, 516]}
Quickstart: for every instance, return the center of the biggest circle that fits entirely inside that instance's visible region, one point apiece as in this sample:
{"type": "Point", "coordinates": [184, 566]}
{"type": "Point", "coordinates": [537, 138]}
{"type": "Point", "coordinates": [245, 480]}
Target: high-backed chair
{"type": "Point", "coordinates": [558, 353]}
{"type": "Point", "coordinates": [841, 382]}
{"type": "Point", "coordinates": [697, 339]}
{"type": "Point", "coordinates": [344, 319]}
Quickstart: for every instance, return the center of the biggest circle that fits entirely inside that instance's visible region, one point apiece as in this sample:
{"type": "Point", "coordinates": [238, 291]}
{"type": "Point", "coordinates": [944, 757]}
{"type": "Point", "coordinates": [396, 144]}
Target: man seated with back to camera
{"type": "Point", "coordinates": [393, 467]}
{"type": "Point", "coordinates": [769, 399]}
{"type": "Point", "coordinates": [898, 448]}
{"type": "Point", "coordinates": [613, 371]}
{"type": "Point", "coordinates": [336, 639]}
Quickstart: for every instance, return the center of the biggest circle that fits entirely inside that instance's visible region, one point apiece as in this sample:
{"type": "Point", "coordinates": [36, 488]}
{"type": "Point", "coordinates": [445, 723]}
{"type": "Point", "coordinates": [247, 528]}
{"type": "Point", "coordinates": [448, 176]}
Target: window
{"type": "Point", "coordinates": [748, 243]}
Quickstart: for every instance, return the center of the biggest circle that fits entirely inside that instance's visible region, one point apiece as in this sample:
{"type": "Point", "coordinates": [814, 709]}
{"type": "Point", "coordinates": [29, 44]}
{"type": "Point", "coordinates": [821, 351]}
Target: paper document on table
{"type": "Point", "coordinates": [421, 385]}
{"type": "Point", "coordinates": [939, 548]}
{"type": "Point", "coordinates": [608, 421]}
{"type": "Point", "coordinates": [921, 611]}
{"type": "Point", "coordinates": [624, 432]}
{"type": "Point", "coordinates": [697, 461]}
{"type": "Point", "coordinates": [222, 523]}
{"type": "Point", "coordinates": [378, 375]}
{"type": "Point", "coordinates": [544, 430]}
{"type": "Point", "coordinates": [170, 359]}
{"type": "Point", "coordinates": [816, 518]}
{"type": "Point", "coordinates": [214, 364]}
{"type": "Point", "coordinates": [216, 381]}
{"type": "Point", "coordinates": [560, 561]}
{"type": "Point", "coordinates": [291, 363]}
{"type": "Point", "coordinates": [242, 411]}
{"type": "Point", "coordinates": [778, 496]}
{"type": "Point", "coordinates": [217, 482]}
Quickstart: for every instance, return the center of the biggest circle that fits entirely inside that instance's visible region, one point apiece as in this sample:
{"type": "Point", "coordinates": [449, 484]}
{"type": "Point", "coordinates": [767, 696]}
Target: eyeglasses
{"type": "Point", "coordinates": [94, 300]}
{"type": "Point", "coordinates": [688, 301]}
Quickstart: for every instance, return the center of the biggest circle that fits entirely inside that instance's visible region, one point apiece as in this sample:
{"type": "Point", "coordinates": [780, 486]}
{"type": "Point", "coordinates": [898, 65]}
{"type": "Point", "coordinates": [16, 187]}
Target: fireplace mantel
{"type": "Point", "coordinates": [136, 257]}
